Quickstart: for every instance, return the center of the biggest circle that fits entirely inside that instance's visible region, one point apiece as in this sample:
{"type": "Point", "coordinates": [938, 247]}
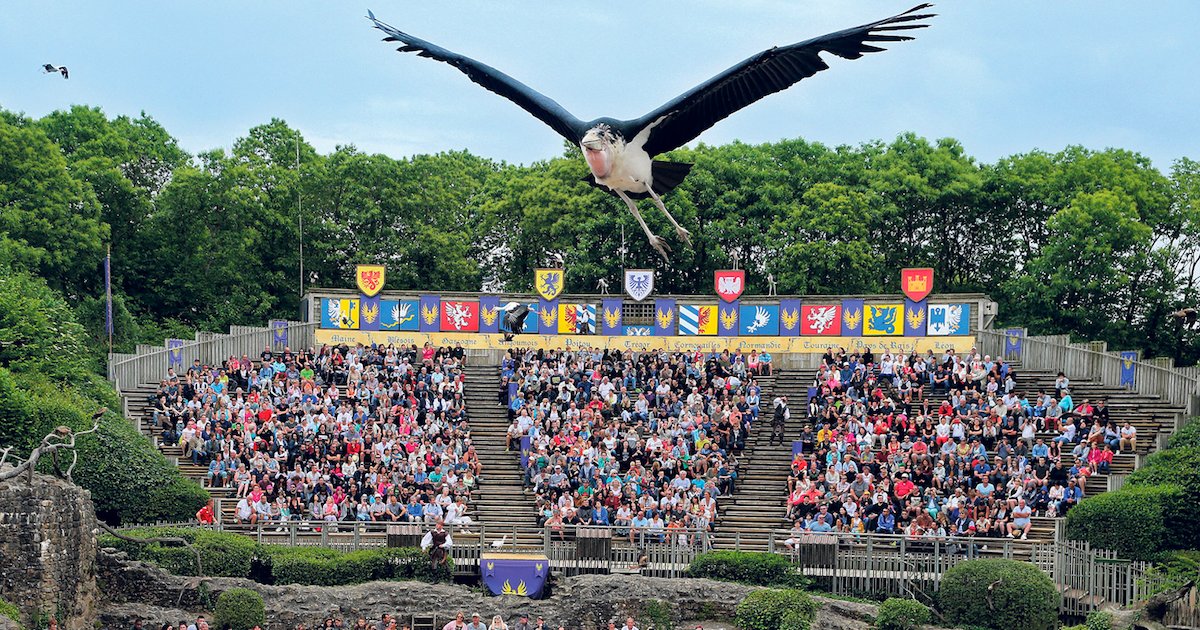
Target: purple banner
{"type": "Point", "coordinates": [1128, 367]}
{"type": "Point", "coordinates": [797, 448]}
{"type": "Point", "coordinates": [370, 314]}
{"type": "Point", "coordinates": [1014, 343]}
{"type": "Point", "coordinates": [547, 316]}
{"type": "Point", "coordinates": [610, 316]}
{"type": "Point", "coordinates": [108, 310]}
{"type": "Point", "coordinates": [504, 576]}
{"type": "Point", "coordinates": [279, 332]}
{"type": "Point", "coordinates": [789, 317]}
{"type": "Point", "coordinates": [525, 448]}
{"type": "Point", "coordinates": [727, 318]}
{"type": "Point", "coordinates": [664, 317]}
{"type": "Point", "coordinates": [852, 318]}
{"type": "Point", "coordinates": [174, 353]}
{"type": "Point", "coordinates": [489, 314]}
{"type": "Point", "coordinates": [914, 318]}
{"type": "Point", "coordinates": [429, 313]}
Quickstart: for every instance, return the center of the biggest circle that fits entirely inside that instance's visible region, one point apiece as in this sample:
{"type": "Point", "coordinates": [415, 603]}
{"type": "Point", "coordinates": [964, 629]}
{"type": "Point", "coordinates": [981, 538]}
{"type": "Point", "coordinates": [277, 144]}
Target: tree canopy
{"type": "Point", "coordinates": [1097, 243]}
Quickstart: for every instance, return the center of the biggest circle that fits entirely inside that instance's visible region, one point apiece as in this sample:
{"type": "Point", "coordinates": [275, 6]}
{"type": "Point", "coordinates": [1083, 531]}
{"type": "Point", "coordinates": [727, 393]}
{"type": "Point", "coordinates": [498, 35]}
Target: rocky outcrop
{"type": "Point", "coordinates": [137, 590]}
{"type": "Point", "coordinates": [48, 550]}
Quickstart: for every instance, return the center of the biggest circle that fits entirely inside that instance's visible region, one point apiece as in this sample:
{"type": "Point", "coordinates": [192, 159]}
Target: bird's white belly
{"type": "Point", "coordinates": [630, 173]}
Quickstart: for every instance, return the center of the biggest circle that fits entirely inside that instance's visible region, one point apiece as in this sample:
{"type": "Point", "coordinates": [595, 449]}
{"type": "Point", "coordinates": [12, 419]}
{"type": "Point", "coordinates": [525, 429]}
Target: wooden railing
{"type": "Point", "coordinates": [149, 364]}
{"type": "Point", "coordinates": [845, 564]}
{"type": "Point", "coordinates": [1093, 360]}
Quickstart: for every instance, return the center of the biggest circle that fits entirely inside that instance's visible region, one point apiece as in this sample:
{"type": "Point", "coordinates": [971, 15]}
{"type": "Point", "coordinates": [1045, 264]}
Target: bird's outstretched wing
{"type": "Point", "coordinates": [768, 72]}
{"type": "Point", "coordinates": [528, 99]}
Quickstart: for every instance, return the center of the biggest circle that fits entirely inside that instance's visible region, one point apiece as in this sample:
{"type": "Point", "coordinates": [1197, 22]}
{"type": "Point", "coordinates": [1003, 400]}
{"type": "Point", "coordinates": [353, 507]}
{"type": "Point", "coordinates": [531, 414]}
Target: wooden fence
{"type": "Point", "coordinates": [845, 564]}
{"type": "Point", "coordinates": [1093, 360]}
{"type": "Point", "coordinates": [149, 364]}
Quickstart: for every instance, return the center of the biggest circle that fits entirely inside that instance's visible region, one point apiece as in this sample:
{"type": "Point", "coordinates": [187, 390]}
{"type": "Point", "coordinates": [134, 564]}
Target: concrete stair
{"type": "Point", "coordinates": [503, 503]}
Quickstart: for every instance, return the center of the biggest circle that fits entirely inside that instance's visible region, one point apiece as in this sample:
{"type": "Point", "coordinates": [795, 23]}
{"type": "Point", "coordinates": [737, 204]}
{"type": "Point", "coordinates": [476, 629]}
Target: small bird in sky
{"type": "Point", "coordinates": [49, 67]}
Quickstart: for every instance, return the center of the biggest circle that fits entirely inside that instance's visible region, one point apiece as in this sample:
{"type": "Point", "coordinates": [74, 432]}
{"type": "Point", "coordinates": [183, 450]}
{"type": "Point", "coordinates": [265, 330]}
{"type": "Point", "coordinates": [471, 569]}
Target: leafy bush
{"type": "Point", "coordinates": [1099, 620]}
{"type": "Point", "coordinates": [223, 555]}
{"type": "Point", "coordinates": [1135, 521]}
{"type": "Point", "coordinates": [1187, 435]}
{"type": "Point", "coordinates": [902, 614]}
{"type": "Point", "coordinates": [776, 609]}
{"type": "Point", "coordinates": [1175, 569]}
{"type": "Point", "coordinates": [45, 382]}
{"type": "Point", "coordinates": [240, 608]}
{"type": "Point", "coordinates": [760, 569]}
{"type": "Point", "coordinates": [1179, 466]}
{"type": "Point", "coordinates": [234, 555]}
{"type": "Point", "coordinates": [999, 594]}
{"type": "Point", "coordinates": [328, 567]}
{"type": "Point", "coordinates": [10, 611]}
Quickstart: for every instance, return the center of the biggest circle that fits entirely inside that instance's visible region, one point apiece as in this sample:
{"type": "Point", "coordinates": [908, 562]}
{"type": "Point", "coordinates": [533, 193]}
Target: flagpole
{"type": "Point", "coordinates": [108, 308]}
{"type": "Point", "coordinates": [300, 213]}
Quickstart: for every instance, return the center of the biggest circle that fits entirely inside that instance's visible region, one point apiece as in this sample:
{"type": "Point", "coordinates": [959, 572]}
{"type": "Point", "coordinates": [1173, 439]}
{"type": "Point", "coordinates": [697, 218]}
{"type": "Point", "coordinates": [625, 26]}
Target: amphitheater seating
{"type": "Point", "coordinates": [748, 518]}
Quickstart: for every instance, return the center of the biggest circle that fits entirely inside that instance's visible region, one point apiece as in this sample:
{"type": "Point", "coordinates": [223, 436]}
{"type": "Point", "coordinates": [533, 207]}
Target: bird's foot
{"type": "Point", "coordinates": [684, 235]}
{"type": "Point", "coordinates": [660, 244]}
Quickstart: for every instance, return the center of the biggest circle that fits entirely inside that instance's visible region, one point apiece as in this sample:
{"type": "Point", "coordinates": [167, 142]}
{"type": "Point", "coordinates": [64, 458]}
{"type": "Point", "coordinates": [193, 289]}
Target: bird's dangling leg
{"type": "Point", "coordinates": [655, 241]}
{"type": "Point", "coordinates": [683, 234]}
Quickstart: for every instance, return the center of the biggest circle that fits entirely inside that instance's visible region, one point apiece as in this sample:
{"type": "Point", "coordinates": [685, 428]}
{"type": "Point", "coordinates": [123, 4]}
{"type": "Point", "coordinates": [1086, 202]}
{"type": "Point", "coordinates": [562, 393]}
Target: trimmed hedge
{"type": "Point", "coordinates": [747, 567]}
{"type": "Point", "coordinates": [902, 614]}
{"type": "Point", "coordinates": [234, 555]}
{"type": "Point", "coordinates": [1021, 596]}
{"type": "Point", "coordinates": [223, 555]}
{"type": "Point", "coordinates": [240, 608]}
{"type": "Point", "coordinates": [328, 567]}
{"type": "Point", "coordinates": [776, 609]}
{"type": "Point", "coordinates": [1135, 521]}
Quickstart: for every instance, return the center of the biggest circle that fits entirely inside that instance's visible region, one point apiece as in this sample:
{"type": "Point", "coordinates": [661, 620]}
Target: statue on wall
{"type": "Point", "coordinates": [619, 152]}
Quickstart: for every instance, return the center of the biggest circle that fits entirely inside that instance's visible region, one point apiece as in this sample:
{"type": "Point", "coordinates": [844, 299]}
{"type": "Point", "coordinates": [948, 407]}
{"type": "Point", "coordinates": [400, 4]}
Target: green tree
{"type": "Point", "coordinates": [49, 221]}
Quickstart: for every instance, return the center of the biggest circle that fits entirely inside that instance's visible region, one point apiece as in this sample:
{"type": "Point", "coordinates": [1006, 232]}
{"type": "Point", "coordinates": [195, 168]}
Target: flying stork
{"type": "Point", "coordinates": [619, 152]}
{"type": "Point", "coordinates": [47, 68]}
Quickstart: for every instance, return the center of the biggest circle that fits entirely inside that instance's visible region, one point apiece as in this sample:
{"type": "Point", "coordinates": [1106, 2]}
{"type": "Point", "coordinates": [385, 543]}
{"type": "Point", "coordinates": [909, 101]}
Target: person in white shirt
{"type": "Point", "coordinates": [1128, 437]}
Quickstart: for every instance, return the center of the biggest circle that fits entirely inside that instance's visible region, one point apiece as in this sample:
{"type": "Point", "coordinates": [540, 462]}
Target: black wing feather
{"type": "Point", "coordinates": [770, 71]}
{"type": "Point", "coordinates": [528, 99]}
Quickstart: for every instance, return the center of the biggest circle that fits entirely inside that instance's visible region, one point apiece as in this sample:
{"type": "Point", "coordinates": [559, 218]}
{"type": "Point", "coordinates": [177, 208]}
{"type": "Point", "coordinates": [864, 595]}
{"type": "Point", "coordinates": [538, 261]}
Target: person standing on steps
{"type": "Point", "coordinates": [779, 419]}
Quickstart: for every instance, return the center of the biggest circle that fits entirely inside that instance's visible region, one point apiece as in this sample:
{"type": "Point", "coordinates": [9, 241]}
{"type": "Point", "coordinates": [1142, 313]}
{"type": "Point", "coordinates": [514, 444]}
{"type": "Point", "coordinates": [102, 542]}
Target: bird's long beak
{"type": "Point", "coordinates": [594, 145]}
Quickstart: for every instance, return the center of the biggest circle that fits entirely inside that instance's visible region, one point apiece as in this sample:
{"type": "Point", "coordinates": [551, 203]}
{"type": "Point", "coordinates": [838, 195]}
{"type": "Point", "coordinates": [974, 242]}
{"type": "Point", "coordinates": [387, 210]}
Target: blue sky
{"type": "Point", "coordinates": [1001, 76]}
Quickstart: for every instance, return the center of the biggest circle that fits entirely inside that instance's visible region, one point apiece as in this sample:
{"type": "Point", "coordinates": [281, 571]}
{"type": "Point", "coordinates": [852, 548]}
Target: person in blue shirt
{"type": "Point", "coordinates": [886, 523]}
{"type": "Point", "coordinates": [600, 515]}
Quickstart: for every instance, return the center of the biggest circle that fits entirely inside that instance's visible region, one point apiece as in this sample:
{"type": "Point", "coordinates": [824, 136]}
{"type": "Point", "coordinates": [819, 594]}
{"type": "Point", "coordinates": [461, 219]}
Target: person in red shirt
{"type": "Point", "coordinates": [903, 488]}
{"type": "Point", "coordinates": [206, 515]}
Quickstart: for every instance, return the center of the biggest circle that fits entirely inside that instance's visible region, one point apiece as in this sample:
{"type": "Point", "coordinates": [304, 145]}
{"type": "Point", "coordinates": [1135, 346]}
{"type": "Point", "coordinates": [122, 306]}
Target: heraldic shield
{"type": "Point", "coordinates": [549, 282]}
{"type": "Point", "coordinates": [370, 279]}
{"type": "Point", "coordinates": [639, 283]}
{"type": "Point", "coordinates": [916, 283]}
{"type": "Point", "coordinates": [729, 283]}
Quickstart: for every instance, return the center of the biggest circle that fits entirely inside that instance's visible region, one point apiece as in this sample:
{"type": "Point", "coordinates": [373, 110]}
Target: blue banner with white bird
{"type": "Point", "coordinates": [759, 319]}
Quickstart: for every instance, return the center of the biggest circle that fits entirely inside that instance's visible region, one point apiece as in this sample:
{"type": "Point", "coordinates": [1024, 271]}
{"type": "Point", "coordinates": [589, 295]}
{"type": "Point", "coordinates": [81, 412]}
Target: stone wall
{"type": "Point", "coordinates": [135, 590]}
{"type": "Point", "coordinates": [48, 551]}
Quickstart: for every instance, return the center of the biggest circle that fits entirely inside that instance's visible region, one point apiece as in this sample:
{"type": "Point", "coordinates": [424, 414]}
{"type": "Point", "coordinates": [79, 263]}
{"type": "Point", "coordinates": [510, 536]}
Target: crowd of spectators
{"type": "Point", "coordinates": [644, 442]}
{"type": "Point", "coordinates": [335, 434]}
{"type": "Point", "coordinates": [940, 446]}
